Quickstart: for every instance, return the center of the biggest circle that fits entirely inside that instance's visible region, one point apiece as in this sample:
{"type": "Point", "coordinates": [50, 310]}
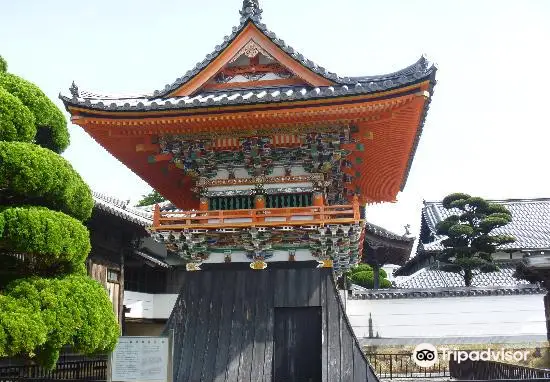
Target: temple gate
{"type": "Point", "coordinates": [270, 159]}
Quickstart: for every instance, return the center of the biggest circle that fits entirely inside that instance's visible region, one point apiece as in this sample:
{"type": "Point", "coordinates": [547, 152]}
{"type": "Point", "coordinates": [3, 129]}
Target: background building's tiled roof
{"type": "Point", "coordinates": [382, 232]}
{"type": "Point", "coordinates": [428, 278]}
{"type": "Point", "coordinates": [359, 293]}
{"type": "Point", "coordinates": [384, 247]}
{"type": "Point", "coordinates": [142, 216]}
{"type": "Point", "coordinates": [530, 223]}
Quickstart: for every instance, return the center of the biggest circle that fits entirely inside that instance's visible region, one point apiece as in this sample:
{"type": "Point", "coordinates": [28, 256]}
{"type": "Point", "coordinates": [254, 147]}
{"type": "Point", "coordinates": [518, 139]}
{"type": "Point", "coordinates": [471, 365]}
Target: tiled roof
{"type": "Point", "coordinates": [387, 294]}
{"type": "Point", "coordinates": [138, 215]}
{"type": "Point", "coordinates": [382, 232]}
{"type": "Point", "coordinates": [428, 278]}
{"type": "Point", "coordinates": [530, 223]}
{"type": "Point", "coordinates": [378, 83]}
{"type": "Point", "coordinates": [417, 72]}
{"type": "Point", "coordinates": [384, 247]}
{"type": "Point", "coordinates": [152, 259]}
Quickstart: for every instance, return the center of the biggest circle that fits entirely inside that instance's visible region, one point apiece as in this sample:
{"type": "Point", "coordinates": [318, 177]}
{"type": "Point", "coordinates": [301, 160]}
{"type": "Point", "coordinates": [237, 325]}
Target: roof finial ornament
{"type": "Point", "coordinates": [74, 90]}
{"type": "Point", "coordinates": [251, 9]}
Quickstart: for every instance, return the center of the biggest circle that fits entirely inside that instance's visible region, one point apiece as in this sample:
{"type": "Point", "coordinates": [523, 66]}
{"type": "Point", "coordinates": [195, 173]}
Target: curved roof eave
{"type": "Point", "coordinates": [242, 97]}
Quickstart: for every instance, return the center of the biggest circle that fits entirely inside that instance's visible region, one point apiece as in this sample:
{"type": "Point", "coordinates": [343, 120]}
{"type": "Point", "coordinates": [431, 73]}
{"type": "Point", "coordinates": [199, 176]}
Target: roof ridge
{"type": "Point", "coordinates": [111, 199]}
{"type": "Point", "coordinates": [122, 204]}
{"type": "Point", "coordinates": [251, 13]}
{"type": "Point", "coordinates": [251, 9]}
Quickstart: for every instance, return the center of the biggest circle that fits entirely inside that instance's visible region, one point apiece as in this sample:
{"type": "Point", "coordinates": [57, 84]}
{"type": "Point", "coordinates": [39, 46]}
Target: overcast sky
{"type": "Point", "coordinates": [487, 131]}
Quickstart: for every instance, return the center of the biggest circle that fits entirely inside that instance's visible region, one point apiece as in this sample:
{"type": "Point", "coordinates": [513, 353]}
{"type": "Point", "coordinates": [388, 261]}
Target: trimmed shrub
{"type": "Point", "coordinates": [365, 278]}
{"type": "Point", "coordinates": [360, 268]}
{"type": "Point", "coordinates": [16, 120]}
{"type": "Point", "coordinates": [30, 174]}
{"type": "Point", "coordinates": [53, 235]}
{"type": "Point", "coordinates": [46, 299]}
{"type": "Point", "coordinates": [74, 310]}
{"type": "Point", "coordinates": [48, 119]}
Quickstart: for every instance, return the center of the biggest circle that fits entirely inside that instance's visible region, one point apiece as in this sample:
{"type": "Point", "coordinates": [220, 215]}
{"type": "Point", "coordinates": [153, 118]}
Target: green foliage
{"type": "Point", "coordinates": [46, 299]}
{"type": "Point", "coordinates": [455, 200]}
{"type": "Point", "coordinates": [22, 329]}
{"type": "Point", "coordinates": [470, 242]}
{"type": "Point", "coordinates": [50, 129]}
{"type": "Point", "coordinates": [3, 65]}
{"type": "Point", "coordinates": [360, 268]}
{"type": "Point", "coordinates": [151, 198]}
{"type": "Point", "coordinates": [363, 275]}
{"type": "Point", "coordinates": [39, 230]}
{"type": "Point", "coordinates": [366, 280]}
{"type": "Point", "coordinates": [33, 175]}
{"type": "Point", "coordinates": [73, 310]}
{"type": "Point", "coordinates": [16, 120]}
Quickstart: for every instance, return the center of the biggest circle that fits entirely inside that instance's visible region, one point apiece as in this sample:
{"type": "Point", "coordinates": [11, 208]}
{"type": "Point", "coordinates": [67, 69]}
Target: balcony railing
{"type": "Point", "coordinates": [260, 217]}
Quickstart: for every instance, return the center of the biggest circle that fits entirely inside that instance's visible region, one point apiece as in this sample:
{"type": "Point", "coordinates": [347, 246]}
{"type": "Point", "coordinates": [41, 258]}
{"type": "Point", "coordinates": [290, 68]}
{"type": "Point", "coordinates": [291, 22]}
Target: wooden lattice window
{"type": "Point", "coordinates": [113, 276]}
{"type": "Point", "coordinates": [238, 202]}
{"type": "Point", "coordinates": [289, 200]}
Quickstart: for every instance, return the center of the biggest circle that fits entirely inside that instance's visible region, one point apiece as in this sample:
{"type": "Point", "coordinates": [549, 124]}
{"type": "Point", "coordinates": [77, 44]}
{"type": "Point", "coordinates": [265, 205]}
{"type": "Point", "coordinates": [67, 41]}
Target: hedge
{"type": "Point", "coordinates": [366, 280]}
{"type": "Point", "coordinates": [49, 120]}
{"type": "Point", "coordinates": [16, 120]}
{"type": "Point", "coordinates": [367, 268]}
{"type": "Point", "coordinates": [34, 175]}
{"type": "Point", "coordinates": [38, 230]}
{"type": "Point", "coordinates": [43, 315]}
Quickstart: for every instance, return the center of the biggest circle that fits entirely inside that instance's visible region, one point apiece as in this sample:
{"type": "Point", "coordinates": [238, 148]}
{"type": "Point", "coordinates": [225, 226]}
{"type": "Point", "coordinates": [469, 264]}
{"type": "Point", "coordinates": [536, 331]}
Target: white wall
{"type": "Point", "coordinates": [449, 316]}
{"type": "Point", "coordinates": [150, 306]}
{"type": "Point", "coordinates": [480, 316]}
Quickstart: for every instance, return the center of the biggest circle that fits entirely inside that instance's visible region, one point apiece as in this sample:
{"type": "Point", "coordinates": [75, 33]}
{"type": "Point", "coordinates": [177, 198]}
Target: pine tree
{"type": "Point", "coordinates": [470, 241]}
{"type": "Point", "coordinates": [46, 299]}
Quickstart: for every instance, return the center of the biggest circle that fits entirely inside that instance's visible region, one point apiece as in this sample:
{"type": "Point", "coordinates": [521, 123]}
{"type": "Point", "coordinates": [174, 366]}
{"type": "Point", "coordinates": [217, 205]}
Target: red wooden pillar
{"type": "Point", "coordinates": [259, 204]}
{"type": "Point", "coordinates": [203, 206]}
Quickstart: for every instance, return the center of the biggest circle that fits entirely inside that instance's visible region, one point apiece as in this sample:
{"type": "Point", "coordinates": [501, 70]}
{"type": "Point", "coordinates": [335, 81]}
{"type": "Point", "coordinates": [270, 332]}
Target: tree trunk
{"type": "Point", "coordinates": [376, 274]}
{"type": "Point", "coordinates": [468, 276]}
{"type": "Point", "coordinates": [547, 314]}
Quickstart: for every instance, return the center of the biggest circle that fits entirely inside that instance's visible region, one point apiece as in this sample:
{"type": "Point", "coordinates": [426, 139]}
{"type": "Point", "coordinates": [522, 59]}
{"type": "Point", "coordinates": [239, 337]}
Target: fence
{"type": "Point", "coordinates": [490, 370]}
{"type": "Point", "coordinates": [69, 368]}
{"type": "Point", "coordinates": [401, 365]}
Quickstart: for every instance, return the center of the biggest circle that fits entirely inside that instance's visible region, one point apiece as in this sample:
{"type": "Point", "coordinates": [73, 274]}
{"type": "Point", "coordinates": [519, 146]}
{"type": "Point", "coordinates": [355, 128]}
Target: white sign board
{"type": "Point", "coordinates": [141, 359]}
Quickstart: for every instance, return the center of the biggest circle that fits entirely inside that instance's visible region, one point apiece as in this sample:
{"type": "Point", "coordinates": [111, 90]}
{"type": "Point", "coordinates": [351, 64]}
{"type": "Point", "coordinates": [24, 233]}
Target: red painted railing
{"type": "Point", "coordinates": [260, 217]}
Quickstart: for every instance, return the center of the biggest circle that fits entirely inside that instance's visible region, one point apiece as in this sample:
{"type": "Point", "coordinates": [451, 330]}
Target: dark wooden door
{"type": "Point", "coordinates": [297, 335]}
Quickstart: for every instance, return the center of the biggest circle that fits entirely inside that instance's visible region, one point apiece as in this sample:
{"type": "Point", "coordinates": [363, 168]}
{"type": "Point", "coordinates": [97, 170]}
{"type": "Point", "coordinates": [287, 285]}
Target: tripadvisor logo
{"type": "Point", "coordinates": [426, 355]}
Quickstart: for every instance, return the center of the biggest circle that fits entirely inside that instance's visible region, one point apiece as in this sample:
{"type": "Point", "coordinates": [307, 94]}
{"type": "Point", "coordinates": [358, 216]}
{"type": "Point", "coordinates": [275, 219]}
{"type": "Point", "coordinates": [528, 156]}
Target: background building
{"type": "Point", "coordinates": [430, 304]}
